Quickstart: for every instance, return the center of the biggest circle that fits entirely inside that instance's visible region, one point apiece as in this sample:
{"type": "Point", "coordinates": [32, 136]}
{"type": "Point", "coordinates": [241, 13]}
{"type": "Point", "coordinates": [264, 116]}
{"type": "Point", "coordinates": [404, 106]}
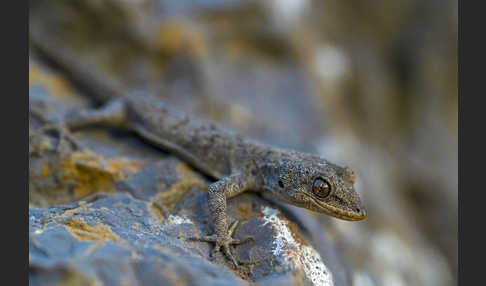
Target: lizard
{"type": "Point", "coordinates": [236, 163]}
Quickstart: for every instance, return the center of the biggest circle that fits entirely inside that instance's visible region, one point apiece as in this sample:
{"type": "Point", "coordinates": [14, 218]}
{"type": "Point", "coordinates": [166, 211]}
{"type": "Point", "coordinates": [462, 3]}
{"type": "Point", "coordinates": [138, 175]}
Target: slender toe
{"type": "Point", "coordinates": [223, 243]}
{"type": "Point", "coordinates": [232, 228]}
{"type": "Point", "coordinates": [210, 238]}
{"type": "Point", "coordinates": [228, 254]}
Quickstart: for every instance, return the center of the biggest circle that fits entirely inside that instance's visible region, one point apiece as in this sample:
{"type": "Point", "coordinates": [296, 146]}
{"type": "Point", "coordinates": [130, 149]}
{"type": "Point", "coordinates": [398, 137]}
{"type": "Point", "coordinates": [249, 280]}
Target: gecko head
{"type": "Point", "coordinates": [322, 187]}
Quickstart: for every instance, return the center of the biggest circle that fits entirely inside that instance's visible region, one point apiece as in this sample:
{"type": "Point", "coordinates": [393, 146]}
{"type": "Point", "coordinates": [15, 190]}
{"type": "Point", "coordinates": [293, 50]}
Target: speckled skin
{"type": "Point", "coordinates": [237, 163]}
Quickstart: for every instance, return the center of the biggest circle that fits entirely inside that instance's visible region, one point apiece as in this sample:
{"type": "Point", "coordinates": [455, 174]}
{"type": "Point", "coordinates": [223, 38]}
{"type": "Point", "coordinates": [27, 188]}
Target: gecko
{"type": "Point", "coordinates": [236, 163]}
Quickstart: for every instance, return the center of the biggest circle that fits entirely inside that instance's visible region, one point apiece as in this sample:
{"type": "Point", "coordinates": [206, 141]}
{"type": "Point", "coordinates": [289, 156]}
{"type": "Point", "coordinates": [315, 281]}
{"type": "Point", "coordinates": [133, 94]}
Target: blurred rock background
{"type": "Point", "coordinates": [371, 85]}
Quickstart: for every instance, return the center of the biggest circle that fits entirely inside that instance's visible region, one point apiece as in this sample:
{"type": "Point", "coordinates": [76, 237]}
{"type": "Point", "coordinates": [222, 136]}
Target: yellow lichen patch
{"type": "Point", "coordinates": [74, 278]}
{"type": "Point", "coordinates": [165, 201]}
{"type": "Point", "coordinates": [45, 171]}
{"type": "Point", "coordinates": [73, 176]}
{"type": "Point", "coordinates": [33, 74]}
{"type": "Point", "coordinates": [245, 211]}
{"type": "Point", "coordinates": [71, 212]}
{"type": "Point", "coordinates": [56, 84]}
{"type": "Point", "coordinates": [92, 173]}
{"type": "Point", "coordinates": [81, 230]}
{"type": "Point", "coordinates": [187, 180]}
{"type": "Point", "coordinates": [157, 211]}
{"type": "Point", "coordinates": [122, 167]}
{"type": "Point", "coordinates": [175, 37]}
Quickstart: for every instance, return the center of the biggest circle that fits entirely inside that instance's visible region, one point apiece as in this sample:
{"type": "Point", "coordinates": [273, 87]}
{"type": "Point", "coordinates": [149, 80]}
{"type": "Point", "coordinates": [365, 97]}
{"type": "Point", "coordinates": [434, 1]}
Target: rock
{"type": "Point", "coordinates": [109, 209]}
{"type": "Point", "coordinates": [177, 60]}
{"type": "Point", "coordinates": [375, 91]}
{"type": "Point", "coordinates": [120, 238]}
{"type": "Point", "coordinates": [117, 240]}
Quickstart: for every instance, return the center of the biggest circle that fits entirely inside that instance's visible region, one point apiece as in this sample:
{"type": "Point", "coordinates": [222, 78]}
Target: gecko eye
{"type": "Point", "coordinates": [321, 188]}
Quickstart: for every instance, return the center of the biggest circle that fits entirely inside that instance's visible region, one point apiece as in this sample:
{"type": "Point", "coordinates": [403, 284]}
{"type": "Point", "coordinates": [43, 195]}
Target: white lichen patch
{"type": "Point", "coordinates": [362, 279]}
{"type": "Point", "coordinates": [176, 220]}
{"type": "Point", "coordinates": [293, 253]}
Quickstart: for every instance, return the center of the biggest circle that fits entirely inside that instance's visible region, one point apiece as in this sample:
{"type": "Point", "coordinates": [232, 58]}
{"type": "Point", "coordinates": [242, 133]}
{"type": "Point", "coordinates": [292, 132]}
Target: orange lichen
{"type": "Point", "coordinates": [157, 210]}
{"type": "Point", "coordinates": [71, 212]}
{"type": "Point", "coordinates": [187, 180]}
{"type": "Point", "coordinates": [33, 74]}
{"type": "Point", "coordinates": [45, 171]}
{"type": "Point", "coordinates": [174, 37]}
{"type": "Point", "coordinates": [121, 167]}
{"type": "Point", "coordinates": [81, 230]}
{"type": "Point", "coordinates": [168, 198]}
{"type": "Point", "coordinates": [245, 211]}
{"type": "Point", "coordinates": [92, 173]}
{"type": "Point", "coordinates": [68, 177]}
{"type": "Point", "coordinates": [72, 277]}
{"type": "Point", "coordinates": [56, 84]}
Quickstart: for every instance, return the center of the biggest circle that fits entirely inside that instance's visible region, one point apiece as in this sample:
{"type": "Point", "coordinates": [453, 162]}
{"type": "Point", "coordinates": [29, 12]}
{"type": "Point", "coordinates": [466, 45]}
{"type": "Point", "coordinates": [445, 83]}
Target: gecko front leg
{"type": "Point", "coordinates": [218, 192]}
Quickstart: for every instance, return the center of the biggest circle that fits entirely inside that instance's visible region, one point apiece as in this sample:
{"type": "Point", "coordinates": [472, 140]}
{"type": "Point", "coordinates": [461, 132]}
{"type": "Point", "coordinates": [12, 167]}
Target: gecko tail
{"type": "Point", "coordinates": [90, 80]}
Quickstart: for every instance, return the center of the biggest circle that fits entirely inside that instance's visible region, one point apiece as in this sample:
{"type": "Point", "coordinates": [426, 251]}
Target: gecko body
{"type": "Point", "coordinates": [236, 163]}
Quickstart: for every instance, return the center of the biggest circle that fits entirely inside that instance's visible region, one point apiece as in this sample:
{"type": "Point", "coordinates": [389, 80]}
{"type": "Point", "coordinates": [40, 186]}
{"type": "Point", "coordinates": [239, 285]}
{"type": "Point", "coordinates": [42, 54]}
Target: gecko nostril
{"type": "Point", "coordinates": [358, 210]}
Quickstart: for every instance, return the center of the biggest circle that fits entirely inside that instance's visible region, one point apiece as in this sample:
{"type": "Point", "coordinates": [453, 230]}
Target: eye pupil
{"type": "Point", "coordinates": [321, 188]}
{"type": "Point", "coordinates": [280, 183]}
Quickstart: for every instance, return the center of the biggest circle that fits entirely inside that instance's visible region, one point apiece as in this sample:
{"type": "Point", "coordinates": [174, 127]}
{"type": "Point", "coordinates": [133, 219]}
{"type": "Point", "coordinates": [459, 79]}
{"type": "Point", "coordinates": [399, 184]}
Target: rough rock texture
{"type": "Point", "coordinates": [107, 208]}
{"type": "Point", "coordinates": [371, 85]}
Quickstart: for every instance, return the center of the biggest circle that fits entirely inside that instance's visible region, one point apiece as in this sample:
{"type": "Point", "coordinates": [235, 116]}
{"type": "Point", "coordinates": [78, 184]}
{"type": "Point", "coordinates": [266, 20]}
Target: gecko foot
{"type": "Point", "coordinates": [224, 243]}
{"type": "Point", "coordinates": [64, 135]}
{"type": "Point", "coordinates": [59, 127]}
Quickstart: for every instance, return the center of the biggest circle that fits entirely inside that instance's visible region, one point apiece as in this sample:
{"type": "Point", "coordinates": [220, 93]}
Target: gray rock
{"type": "Point", "coordinates": [117, 212]}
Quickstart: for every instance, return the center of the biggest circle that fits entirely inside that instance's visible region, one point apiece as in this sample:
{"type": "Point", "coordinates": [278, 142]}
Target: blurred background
{"type": "Point", "coordinates": [367, 84]}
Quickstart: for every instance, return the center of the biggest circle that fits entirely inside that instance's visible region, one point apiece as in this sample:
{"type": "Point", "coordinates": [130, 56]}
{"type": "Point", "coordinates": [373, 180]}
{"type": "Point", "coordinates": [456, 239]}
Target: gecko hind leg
{"type": "Point", "coordinates": [112, 114]}
{"type": "Point", "coordinates": [224, 245]}
{"type": "Point", "coordinates": [60, 128]}
{"type": "Point", "coordinates": [64, 135]}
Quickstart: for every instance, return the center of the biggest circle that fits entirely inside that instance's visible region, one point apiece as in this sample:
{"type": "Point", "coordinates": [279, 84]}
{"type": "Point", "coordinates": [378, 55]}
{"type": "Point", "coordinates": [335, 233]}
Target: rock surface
{"type": "Point", "coordinates": [107, 208]}
{"type": "Point", "coordinates": [370, 85]}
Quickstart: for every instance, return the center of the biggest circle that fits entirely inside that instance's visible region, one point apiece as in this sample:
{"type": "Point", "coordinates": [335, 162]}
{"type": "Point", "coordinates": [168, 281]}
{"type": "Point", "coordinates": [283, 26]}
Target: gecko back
{"type": "Point", "coordinates": [206, 146]}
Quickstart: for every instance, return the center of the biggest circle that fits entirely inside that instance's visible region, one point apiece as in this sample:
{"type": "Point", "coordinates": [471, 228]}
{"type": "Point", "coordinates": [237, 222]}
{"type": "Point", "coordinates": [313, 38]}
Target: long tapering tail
{"type": "Point", "coordinates": [84, 76]}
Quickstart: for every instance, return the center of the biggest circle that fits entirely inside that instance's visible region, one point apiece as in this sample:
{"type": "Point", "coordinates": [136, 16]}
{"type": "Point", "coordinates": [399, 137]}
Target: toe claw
{"type": "Point", "coordinates": [222, 244]}
{"type": "Point", "coordinates": [230, 256]}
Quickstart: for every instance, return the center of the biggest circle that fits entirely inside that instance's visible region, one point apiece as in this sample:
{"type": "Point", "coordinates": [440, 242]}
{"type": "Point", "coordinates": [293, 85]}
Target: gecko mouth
{"type": "Point", "coordinates": [360, 214]}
